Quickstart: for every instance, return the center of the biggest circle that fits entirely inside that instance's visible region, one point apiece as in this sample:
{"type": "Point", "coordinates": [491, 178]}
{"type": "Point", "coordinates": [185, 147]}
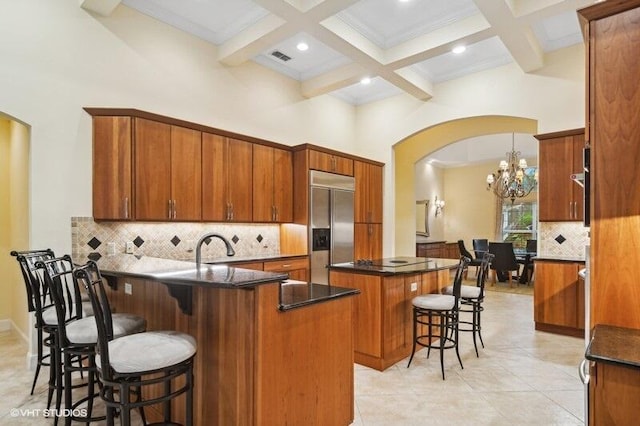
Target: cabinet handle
{"type": "Point", "coordinates": [173, 204]}
{"type": "Point", "coordinates": [231, 211]}
{"type": "Point", "coordinates": [286, 266]}
{"type": "Point", "coordinates": [273, 213]}
{"type": "Point", "coordinates": [228, 214]}
{"type": "Point", "coordinates": [126, 207]}
{"type": "Point", "coordinates": [169, 209]}
{"type": "Point", "coordinates": [277, 213]}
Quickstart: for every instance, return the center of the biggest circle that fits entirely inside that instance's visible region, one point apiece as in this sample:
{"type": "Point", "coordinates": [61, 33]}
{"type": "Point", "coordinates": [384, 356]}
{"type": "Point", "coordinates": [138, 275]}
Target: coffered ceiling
{"type": "Point", "coordinates": [400, 45]}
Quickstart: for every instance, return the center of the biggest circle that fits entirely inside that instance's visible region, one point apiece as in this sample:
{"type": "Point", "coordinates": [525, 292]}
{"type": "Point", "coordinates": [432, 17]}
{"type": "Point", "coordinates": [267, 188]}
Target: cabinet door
{"type": "Point", "coordinates": [112, 171]}
{"type": "Point", "coordinates": [555, 189]}
{"type": "Point", "coordinates": [614, 392]}
{"type": "Point", "coordinates": [556, 294]}
{"type": "Point", "coordinates": [152, 170]}
{"type": "Point", "coordinates": [283, 185]}
{"type": "Point", "coordinates": [330, 163]}
{"type": "Point", "coordinates": [239, 179]}
{"type": "Point", "coordinates": [368, 200]}
{"type": "Point", "coordinates": [367, 241]}
{"type": "Point", "coordinates": [215, 206]}
{"type": "Point", "coordinates": [263, 184]}
{"type": "Point", "coordinates": [395, 313]}
{"type": "Point", "coordinates": [186, 174]}
{"type": "Point", "coordinates": [272, 184]}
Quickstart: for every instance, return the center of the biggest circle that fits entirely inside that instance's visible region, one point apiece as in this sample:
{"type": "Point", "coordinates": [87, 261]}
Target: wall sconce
{"type": "Point", "coordinates": [439, 206]}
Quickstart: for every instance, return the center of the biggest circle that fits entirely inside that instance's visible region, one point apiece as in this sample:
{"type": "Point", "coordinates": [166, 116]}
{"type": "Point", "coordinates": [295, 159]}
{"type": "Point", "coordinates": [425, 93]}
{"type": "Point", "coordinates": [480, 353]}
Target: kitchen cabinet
{"type": "Point", "coordinates": [330, 162]}
{"type": "Point", "coordinates": [613, 102]}
{"type": "Point", "coordinates": [369, 189]}
{"type": "Point", "coordinates": [383, 311]}
{"type": "Point", "coordinates": [558, 297]}
{"type": "Point", "coordinates": [440, 249]}
{"type": "Point", "coordinates": [168, 183]}
{"type": "Point", "coordinates": [226, 179]}
{"type": "Point", "coordinates": [272, 184]}
{"type": "Point", "coordinates": [367, 241]}
{"type": "Point", "coordinates": [112, 168]}
{"type": "Point", "coordinates": [296, 267]}
{"type": "Point", "coordinates": [560, 156]}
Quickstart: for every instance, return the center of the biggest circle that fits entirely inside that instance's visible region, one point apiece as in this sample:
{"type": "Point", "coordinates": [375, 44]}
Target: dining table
{"type": "Point", "coordinates": [526, 258]}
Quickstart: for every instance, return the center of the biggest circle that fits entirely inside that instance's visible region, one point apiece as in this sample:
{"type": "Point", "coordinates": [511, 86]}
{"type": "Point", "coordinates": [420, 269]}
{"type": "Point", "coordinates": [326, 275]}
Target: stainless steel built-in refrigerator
{"type": "Point", "coordinates": [331, 230]}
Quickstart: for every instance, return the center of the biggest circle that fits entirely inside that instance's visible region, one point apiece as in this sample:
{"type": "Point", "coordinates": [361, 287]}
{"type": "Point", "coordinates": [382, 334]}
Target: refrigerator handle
{"type": "Point", "coordinates": [583, 371]}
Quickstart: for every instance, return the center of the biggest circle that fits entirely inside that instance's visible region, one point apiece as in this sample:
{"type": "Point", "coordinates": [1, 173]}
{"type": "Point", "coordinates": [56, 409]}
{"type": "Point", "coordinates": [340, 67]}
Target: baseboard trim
{"type": "Point", "coordinates": [6, 325]}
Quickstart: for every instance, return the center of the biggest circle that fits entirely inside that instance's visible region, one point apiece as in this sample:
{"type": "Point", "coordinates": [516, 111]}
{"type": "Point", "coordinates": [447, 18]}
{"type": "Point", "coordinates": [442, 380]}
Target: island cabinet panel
{"type": "Point", "coordinates": [226, 179]}
{"type": "Point", "coordinates": [561, 155]}
{"type": "Point", "coordinates": [383, 312]}
{"type": "Point", "coordinates": [614, 392]}
{"type": "Point", "coordinates": [167, 172]}
{"type": "Point", "coordinates": [559, 297]}
{"type": "Point", "coordinates": [112, 168]}
{"type": "Point", "coordinates": [272, 184]}
{"type": "Point", "coordinates": [330, 163]}
{"type": "Point", "coordinates": [286, 342]}
{"type": "Point", "coordinates": [255, 365]}
{"type": "Point", "coordinates": [368, 197]}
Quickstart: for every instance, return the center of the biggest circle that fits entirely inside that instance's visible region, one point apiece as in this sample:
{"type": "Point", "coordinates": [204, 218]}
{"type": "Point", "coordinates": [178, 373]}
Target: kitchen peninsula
{"type": "Point", "coordinates": [382, 315]}
{"type": "Point", "coordinates": [269, 351]}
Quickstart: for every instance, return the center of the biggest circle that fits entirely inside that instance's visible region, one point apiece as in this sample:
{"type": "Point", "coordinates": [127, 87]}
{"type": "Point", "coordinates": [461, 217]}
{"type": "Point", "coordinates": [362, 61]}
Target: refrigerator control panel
{"type": "Point", "coordinates": [321, 239]}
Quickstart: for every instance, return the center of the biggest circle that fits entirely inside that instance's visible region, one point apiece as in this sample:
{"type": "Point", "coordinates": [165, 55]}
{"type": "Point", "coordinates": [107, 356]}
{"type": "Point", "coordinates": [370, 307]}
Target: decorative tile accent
{"type": "Point", "coordinates": [94, 256]}
{"type": "Point", "coordinates": [138, 241]}
{"type": "Point", "coordinates": [560, 239]}
{"type": "Point", "coordinates": [155, 239]}
{"type": "Point", "coordinates": [94, 243]}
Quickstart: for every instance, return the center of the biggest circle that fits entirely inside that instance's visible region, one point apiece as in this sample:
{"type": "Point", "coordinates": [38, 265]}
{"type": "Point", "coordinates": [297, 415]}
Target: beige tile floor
{"type": "Point", "coordinates": [522, 377]}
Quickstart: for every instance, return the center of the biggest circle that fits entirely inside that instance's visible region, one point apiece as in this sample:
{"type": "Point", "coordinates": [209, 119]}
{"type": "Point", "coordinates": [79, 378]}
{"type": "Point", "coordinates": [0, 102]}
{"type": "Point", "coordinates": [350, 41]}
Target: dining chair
{"type": "Point", "coordinates": [480, 245]}
{"type": "Point", "coordinates": [473, 262]}
{"type": "Point", "coordinates": [505, 261]}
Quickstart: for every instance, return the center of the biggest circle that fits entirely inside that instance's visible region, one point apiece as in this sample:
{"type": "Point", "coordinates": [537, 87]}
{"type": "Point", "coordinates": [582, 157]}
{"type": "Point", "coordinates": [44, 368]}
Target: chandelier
{"type": "Point", "coordinates": [511, 179]}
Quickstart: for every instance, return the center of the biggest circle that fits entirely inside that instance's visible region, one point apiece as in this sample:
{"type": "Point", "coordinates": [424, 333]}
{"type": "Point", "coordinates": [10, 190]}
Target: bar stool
{"type": "Point", "coordinates": [37, 301]}
{"type": "Point", "coordinates": [440, 311]}
{"type": "Point", "coordinates": [130, 363]}
{"type": "Point", "coordinates": [77, 336]}
{"type": "Point", "coordinates": [471, 298]}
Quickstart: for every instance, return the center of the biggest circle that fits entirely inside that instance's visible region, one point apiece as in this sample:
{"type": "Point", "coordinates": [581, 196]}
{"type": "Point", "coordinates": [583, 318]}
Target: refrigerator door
{"type": "Point", "coordinates": [342, 226]}
{"type": "Point", "coordinates": [320, 237]}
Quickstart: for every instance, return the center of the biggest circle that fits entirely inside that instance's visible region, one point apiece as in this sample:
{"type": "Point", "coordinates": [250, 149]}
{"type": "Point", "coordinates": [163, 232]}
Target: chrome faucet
{"type": "Point", "coordinates": [230, 251]}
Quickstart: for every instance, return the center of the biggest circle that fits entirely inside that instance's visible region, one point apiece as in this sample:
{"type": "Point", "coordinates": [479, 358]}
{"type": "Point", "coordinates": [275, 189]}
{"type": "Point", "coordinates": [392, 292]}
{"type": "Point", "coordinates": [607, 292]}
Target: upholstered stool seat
{"type": "Point", "coordinates": [50, 315]}
{"type": "Point", "coordinates": [149, 351]}
{"type": "Point", "coordinates": [84, 330]}
{"type": "Point", "coordinates": [466, 291]}
{"type": "Point", "coordinates": [439, 311]}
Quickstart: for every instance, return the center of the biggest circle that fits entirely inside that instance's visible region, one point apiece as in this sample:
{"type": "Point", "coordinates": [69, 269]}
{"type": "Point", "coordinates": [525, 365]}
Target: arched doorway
{"type": "Point", "coordinates": [426, 141]}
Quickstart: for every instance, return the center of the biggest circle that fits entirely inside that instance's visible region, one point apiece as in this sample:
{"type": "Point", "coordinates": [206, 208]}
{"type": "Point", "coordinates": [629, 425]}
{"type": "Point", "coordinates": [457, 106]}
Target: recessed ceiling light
{"type": "Point", "coordinates": [458, 49]}
{"type": "Point", "coordinates": [404, 1]}
{"type": "Point", "coordinates": [365, 80]}
{"type": "Point", "coordinates": [302, 46]}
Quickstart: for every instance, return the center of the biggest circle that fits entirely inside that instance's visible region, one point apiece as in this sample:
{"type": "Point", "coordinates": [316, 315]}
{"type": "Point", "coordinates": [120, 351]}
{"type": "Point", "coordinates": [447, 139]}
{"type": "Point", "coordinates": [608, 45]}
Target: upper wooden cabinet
{"type": "Point", "coordinates": [272, 184]}
{"type": "Point", "coordinates": [613, 102]}
{"type": "Point", "coordinates": [330, 163]}
{"type": "Point", "coordinates": [226, 179]}
{"type": "Point", "coordinates": [112, 168]}
{"type": "Point", "coordinates": [560, 199]}
{"type": "Point", "coordinates": [367, 241]}
{"type": "Point", "coordinates": [368, 197]}
{"type": "Point", "coordinates": [168, 183]}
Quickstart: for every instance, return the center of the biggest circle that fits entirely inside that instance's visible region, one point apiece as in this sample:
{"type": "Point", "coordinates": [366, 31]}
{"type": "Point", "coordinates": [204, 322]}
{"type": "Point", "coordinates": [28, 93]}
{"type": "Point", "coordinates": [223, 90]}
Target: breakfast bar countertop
{"type": "Point", "coordinates": [184, 273]}
{"type": "Point", "coordinates": [614, 345]}
{"type": "Point", "coordinates": [396, 265]}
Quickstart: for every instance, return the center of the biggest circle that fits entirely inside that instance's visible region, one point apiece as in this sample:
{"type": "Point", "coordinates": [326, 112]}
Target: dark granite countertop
{"type": "Point", "coordinates": [295, 294]}
{"type": "Point", "coordinates": [614, 345]}
{"type": "Point", "coordinates": [184, 273]}
{"type": "Point", "coordinates": [397, 265]}
{"type": "Point", "coordinates": [552, 258]}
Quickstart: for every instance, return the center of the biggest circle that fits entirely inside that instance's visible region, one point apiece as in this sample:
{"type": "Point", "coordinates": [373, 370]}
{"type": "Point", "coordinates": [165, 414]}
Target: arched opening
{"type": "Point", "coordinates": [408, 151]}
{"type": "Point", "coordinates": [14, 223]}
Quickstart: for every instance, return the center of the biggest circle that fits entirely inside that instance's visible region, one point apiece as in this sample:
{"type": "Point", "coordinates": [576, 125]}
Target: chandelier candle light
{"type": "Point", "coordinates": [511, 180]}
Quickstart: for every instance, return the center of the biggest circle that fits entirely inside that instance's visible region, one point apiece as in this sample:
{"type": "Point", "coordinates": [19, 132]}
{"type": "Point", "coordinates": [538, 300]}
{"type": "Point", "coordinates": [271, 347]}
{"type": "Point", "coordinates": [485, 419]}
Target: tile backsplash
{"type": "Point", "coordinates": [562, 239]}
{"type": "Point", "coordinates": [171, 240]}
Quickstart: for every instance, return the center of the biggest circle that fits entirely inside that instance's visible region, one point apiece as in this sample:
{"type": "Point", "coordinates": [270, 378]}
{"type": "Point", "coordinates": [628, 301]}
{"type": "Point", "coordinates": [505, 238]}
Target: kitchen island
{"type": "Point", "coordinates": [269, 351]}
{"type": "Point", "coordinates": [383, 310]}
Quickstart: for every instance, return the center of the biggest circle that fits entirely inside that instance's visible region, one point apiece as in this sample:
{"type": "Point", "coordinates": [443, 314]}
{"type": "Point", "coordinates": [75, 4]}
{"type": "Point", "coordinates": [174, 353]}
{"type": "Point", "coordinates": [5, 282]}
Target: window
{"type": "Point", "coordinates": [519, 223]}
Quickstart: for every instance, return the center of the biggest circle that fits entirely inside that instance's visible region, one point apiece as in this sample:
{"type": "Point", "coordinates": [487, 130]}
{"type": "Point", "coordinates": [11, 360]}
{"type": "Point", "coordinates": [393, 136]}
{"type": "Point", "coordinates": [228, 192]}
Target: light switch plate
{"type": "Point", "coordinates": [414, 286]}
{"type": "Point", "coordinates": [128, 247]}
{"type": "Point", "coordinates": [127, 288]}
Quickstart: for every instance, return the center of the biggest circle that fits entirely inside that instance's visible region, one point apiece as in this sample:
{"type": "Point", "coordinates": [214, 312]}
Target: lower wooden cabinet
{"type": "Point", "coordinates": [439, 249]}
{"type": "Point", "coordinates": [558, 297]}
{"type": "Point", "coordinates": [297, 268]}
{"type": "Point", "coordinates": [614, 392]}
